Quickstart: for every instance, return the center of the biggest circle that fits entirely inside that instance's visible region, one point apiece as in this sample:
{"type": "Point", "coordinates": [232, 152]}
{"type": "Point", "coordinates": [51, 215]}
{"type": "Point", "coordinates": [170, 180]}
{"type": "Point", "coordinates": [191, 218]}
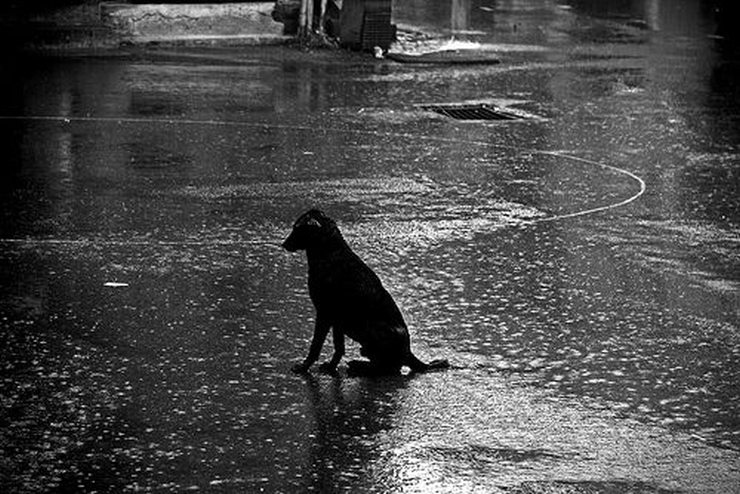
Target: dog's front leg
{"type": "Point", "coordinates": [330, 367]}
{"type": "Point", "coordinates": [319, 335]}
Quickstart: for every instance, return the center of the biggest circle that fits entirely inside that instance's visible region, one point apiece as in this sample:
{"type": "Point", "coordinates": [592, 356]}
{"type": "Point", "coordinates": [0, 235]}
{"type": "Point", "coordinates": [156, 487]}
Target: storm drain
{"type": "Point", "coordinates": [472, 112]}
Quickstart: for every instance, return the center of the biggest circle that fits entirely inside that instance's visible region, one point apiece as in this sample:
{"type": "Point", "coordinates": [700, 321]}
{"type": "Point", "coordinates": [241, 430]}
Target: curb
{"type": "Point", "coordinates": [110, 25]}
{"type": "Point", "coordinates": [193, 24]}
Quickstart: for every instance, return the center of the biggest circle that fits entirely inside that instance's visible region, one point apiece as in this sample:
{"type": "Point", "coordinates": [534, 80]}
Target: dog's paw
{"type": "Point", "coordinates": [300, 368]}
{"type": "Point", "coordinates": [328, 368]}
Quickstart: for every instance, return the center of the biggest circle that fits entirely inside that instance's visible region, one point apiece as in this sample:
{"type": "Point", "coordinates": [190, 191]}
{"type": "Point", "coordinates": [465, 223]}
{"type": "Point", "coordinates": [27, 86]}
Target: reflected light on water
{"type": "Point", "coordinates": [598, 349]}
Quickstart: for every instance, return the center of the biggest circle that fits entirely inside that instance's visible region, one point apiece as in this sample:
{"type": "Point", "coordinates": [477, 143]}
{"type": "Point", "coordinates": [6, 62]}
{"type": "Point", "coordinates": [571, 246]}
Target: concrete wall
{"type": "Point", "coordinates": [172, 22]}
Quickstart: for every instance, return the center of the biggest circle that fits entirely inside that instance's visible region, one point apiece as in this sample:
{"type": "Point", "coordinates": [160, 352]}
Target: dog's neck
{"type": "Point", "coordinates": [329, 246]}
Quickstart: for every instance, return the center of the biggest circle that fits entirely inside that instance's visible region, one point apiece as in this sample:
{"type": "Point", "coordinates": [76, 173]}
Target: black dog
{"type": "Point", "coordinates": [350, 298]}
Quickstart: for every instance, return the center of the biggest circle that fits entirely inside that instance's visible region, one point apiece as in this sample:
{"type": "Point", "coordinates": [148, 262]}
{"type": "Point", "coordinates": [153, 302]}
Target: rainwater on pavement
{"type": "Point", "coordinates": [580, 267]}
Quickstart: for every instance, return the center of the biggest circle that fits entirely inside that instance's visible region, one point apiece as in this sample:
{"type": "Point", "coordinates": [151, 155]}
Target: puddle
{"type": "Point", "coordinates": [471, 112]}
{"type": "Point", "coordinates": [575, 368]}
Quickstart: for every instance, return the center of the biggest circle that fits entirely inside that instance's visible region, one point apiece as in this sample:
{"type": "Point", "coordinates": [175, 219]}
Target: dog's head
{"type": "Point", "coordinates": [313, 229]}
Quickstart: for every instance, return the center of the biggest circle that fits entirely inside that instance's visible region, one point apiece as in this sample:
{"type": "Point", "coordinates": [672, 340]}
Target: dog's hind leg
{"type": "Point", "coordinates": [365, 368]}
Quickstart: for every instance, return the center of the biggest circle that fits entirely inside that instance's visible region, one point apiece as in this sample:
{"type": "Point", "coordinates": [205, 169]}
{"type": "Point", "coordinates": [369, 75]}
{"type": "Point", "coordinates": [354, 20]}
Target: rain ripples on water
{"type": "Point", "coordinates": [149, 318]}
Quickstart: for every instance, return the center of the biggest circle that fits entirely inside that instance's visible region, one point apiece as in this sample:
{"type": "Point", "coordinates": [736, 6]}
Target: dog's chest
{"type": "Point", "coordinates": [335, 280]}
{"type": "Point", "coordinates": [325, 277]}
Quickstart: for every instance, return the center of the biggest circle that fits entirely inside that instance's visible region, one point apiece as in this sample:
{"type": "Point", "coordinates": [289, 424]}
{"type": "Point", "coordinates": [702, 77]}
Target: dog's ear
{"type": "Point", "coordinates": [312, 222]}
{"type": "Point", "coordinates": [307, 219]}
{"type": "Point", "coordinates": [314, 217]}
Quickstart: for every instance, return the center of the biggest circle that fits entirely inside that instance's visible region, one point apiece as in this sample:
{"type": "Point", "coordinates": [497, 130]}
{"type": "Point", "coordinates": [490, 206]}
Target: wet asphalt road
{"type": "Point", "coordinates": [579, 267]}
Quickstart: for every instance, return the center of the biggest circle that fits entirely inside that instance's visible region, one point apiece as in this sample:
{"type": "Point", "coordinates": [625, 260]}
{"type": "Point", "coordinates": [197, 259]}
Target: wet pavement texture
{"type": "Point", "coordinates": [579, 267]}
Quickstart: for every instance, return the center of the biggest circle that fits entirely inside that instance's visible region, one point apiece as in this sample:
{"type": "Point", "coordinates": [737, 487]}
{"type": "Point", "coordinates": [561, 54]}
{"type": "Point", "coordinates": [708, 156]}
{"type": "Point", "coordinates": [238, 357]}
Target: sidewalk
{"type": "Point", "coordinates": [109, 25]}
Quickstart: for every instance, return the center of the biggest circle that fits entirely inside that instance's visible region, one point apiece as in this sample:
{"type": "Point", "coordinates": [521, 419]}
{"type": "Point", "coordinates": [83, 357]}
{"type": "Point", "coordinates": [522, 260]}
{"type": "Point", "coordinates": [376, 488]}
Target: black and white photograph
{"type": "Point", "coordinates": [370, 246]}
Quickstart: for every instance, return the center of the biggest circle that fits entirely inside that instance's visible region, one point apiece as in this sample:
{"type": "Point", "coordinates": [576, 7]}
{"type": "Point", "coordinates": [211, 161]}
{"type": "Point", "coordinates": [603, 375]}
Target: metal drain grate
{"type": "Point", "coordinates": [472, 112]}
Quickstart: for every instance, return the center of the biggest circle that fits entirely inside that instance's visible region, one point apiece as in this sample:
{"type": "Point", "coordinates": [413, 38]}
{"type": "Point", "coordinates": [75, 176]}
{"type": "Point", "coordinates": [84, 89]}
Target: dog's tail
{"type": "Point", "coordinates": [417, 365]}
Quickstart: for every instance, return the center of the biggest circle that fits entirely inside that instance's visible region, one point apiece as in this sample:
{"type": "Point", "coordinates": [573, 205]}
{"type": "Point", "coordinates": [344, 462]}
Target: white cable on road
{"type": "Point", "coordinates": [233, 123]}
